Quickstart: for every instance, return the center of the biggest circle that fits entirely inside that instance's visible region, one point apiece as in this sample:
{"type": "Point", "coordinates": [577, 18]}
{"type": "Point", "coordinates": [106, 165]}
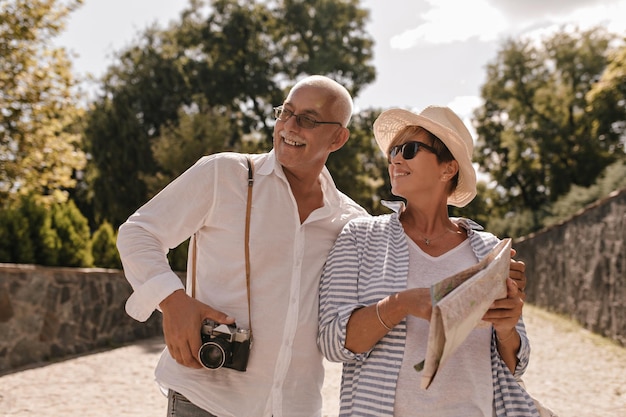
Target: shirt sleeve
{"type": "Point", "coordinates": [523, 354]}
{"type": "Point", "coordinates": [338, 298]}
{"type": "Point", "coordinates": [146, 269]}
{"type": "Point", "coordinates": [164, 222]}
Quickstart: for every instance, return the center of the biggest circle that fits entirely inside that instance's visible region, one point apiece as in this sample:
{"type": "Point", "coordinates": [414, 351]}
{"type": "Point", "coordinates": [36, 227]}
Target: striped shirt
{"type": "Point", "coordinates": [368, 262]}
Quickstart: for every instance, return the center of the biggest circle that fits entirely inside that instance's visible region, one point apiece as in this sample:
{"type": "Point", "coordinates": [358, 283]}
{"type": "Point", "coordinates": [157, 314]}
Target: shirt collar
{"type": "Point", "coordinates": [267, 166]}
{"type": "Point", "coordinates": [271, 164]}
{"type": "Point", "coordinates": [470, 225]}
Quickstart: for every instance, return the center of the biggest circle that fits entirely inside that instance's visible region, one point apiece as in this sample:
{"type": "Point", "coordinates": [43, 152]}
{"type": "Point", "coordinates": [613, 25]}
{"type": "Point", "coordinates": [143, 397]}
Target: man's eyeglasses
{"type": "Point", "coordinates": [303, 121]}
{"type": "Point", "coordinates": [408, 150]}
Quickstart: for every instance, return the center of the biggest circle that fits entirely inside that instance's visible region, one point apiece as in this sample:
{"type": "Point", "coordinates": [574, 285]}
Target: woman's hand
{"type": "Point", "coordinates": [369, 324]}
{"type": "Point", "coordinates": [517, 272]}
{"type": "Point", "coordinates": [505, 312]}
{"type": "Point", "coordinates": [504, 315]}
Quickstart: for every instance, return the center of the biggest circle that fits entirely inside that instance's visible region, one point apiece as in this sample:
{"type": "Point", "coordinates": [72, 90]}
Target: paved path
{"type": "Point", "coordinates": [573, 371]}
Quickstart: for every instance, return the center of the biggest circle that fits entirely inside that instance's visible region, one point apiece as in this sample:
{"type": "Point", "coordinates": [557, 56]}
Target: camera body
{"type": "Point", "coordinates": [224, 345]}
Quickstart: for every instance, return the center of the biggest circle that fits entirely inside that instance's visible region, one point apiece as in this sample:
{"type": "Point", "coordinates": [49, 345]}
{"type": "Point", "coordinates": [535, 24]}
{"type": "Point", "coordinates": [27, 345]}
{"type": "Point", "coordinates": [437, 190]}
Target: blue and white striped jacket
{"type": "Point", "coordinates": [369, 261]}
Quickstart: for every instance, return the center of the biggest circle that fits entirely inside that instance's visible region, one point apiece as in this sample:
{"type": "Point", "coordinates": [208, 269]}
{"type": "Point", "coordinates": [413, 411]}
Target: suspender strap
{"type": "Point", "coordinates": [247, 238]}
{"type": "Point", "coordinates": [194, 246]}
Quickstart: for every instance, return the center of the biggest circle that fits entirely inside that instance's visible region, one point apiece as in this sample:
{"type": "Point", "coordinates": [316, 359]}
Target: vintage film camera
{"type": "Point", "coordinates": [224, 345]}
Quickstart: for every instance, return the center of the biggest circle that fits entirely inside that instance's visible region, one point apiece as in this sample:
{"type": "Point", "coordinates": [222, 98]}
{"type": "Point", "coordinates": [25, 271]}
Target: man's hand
{"type": "Point", "coordinates": [182, 322]}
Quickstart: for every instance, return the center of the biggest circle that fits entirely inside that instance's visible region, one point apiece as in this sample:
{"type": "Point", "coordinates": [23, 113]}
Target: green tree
{"type": "Point", "coordinates": [103, 247]}
{"type": "Point", "coordinates": [26, 233]}
{"type": "Point", "coordinates": [235, 64]}
{"type": "Point", "coordinates": [16, 246]}
{"type": "Point", "coordinates": [201, 130]}
{"type": "Point", "coordinates": [39, 146]}
{"type": "Point", "coordinates": [536, 134]}
{"type": "Point", "coordinates": [142, 93]}
{"type": "Point", "coordinates": [607, 103]}
{"type": "Point", "coordinates": [44, 239]}
{"type": "Point", "coordinates": [613, 178]}
{"type": "Point", "coordinates": [359, 168]}
{"type": "Point", "coordinates": [73, 231]}
{"type": "Point", "coordinates": [325, 37]}
{"type": "Point", "coordinates": [483, 208]}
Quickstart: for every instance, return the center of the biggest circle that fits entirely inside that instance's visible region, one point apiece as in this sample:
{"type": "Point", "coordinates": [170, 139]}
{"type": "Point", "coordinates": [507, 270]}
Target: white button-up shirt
{"type": "Point", "coordinates": [285, 372]}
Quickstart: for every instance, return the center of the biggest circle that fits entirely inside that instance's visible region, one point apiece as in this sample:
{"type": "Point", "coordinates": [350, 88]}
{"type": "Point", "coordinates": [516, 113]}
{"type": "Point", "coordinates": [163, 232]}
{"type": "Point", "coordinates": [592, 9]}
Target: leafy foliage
{"type": "Point", "coordinates": [483, 209]}
{"type": "Point", "coordinates": [202, 130]}
{"type": "Point", "coordinates": [613, 178]}
{"type": "Point", "coordinates": [26, 233]}
{"type": "Point", "coordinates": [551, 131]}
{"type": "Point", "coordinates": [538, 130]}
{"type": "Point", "coordinates": [359, 168]}
{"type": "Point", "coordinates": [34, 233]}
{"type": "Point", "coordinates": [16, 245]}
{"type": "Point", "coordinates": [73, 231]}
{"type": "Point", "coordinates": [324, 37]}
{"type": "Point", "coordinates": [607, 103]}
{"type": "Point", "coordinates": [231, 66]}
{"type": "Point", "coordinates": [39, 146]}
{"type": "Point", "coordinates": [103, 247]}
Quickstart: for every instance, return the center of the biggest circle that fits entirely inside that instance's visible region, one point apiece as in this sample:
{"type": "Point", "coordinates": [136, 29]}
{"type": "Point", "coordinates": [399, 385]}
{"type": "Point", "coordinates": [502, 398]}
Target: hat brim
{"type": "Point", "coordinates": [390, 122]}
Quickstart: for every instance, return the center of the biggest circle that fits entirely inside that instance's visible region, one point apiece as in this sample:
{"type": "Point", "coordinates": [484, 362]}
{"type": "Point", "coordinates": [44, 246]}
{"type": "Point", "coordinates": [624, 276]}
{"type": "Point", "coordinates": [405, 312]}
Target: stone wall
{"type": "Point", "coordinates": [52, 313]}
{"type": "Point", "coordinates": [578, 268]}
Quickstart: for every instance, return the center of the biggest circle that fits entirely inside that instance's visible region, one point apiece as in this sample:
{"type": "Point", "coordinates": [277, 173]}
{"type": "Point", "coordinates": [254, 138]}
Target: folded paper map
{"type": "Point", "coordinates": [459, 303]}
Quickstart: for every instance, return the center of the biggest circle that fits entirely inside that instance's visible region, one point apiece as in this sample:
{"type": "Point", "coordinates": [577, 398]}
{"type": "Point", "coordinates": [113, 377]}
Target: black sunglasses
{"type": "Point", "coordinates": [408, 150]}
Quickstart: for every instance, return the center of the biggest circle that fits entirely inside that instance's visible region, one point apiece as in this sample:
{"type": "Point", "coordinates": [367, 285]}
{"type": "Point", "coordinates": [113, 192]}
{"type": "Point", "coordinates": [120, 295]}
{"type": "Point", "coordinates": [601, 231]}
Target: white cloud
{"type": "Point", "coordinates": [464, 105]}
{"type": "Point", "coordinates": [448, 21]}
{"type": "Point", "coordinates": [612, 16]}
{"type": "Point", "coordinates": [540, 9]}
{"type": "Point", "coordinates": [451, 21]}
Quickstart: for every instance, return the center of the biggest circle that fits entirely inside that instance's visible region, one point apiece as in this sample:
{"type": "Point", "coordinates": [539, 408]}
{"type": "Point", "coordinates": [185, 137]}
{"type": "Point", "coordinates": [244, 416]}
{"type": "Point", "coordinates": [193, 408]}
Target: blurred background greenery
{"type": "Point", "coordinates": [550, 134]}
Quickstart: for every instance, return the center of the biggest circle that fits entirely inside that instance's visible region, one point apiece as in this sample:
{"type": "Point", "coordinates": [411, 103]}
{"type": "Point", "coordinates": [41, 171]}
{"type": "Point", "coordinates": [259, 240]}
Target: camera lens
{"type": "Point", "coordinates": [212, 354]}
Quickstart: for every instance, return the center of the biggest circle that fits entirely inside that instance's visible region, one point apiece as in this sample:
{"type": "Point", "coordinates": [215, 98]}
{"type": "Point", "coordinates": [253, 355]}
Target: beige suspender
{"type": "Point", "coordinates": [246, 245]}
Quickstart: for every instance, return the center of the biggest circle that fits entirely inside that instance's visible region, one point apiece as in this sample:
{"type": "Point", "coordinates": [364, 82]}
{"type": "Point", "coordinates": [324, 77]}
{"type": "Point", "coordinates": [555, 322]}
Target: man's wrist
{"type": "Point", "coordinates": [171, 298]}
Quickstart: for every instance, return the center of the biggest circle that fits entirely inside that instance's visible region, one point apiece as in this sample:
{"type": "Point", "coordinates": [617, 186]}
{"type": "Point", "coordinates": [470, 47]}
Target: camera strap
{"type": "Point", "coordinates": [246, 246]}
{"type": "Point", "coordinates": [247, 238]}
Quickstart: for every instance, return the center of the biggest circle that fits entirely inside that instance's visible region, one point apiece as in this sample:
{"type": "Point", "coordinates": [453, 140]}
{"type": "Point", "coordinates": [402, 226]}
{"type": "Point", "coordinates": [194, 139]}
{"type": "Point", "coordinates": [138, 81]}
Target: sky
{"type": "Point", "coordinates": [426, 51]}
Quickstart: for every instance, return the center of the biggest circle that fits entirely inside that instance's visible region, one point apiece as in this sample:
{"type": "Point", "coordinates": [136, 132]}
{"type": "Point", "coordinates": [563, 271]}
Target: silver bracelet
{"type": "Point", "coordinates": [506, 338]}
{"type": "Point", "coordinates": [380, 319]}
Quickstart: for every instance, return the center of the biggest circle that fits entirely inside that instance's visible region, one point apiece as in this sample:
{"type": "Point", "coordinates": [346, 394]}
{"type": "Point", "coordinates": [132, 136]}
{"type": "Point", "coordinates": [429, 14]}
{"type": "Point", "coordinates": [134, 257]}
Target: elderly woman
{"type": "Point", "coordinates": [375, 303]}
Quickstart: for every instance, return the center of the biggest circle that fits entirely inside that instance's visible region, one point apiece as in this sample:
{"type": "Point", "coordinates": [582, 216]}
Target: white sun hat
{"type": "Point", "coordinates": [445, 125]}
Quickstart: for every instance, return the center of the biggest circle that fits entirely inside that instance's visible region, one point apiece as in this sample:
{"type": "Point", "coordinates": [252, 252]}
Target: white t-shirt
{"type": "Point", "coordinates": [463, 386]}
